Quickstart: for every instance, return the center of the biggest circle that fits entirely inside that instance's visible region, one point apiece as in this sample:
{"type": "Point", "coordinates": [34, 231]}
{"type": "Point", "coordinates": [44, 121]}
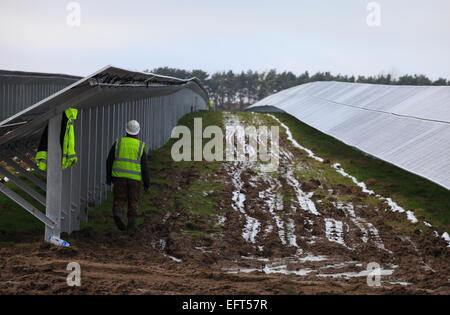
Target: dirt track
{"type": "Point", "coordinates": [280, 234]}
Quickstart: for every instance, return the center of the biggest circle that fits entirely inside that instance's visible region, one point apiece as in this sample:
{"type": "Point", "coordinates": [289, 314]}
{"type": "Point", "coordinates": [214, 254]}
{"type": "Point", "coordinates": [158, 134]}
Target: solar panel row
{"type": "Point", "coordinates": [408, 126]}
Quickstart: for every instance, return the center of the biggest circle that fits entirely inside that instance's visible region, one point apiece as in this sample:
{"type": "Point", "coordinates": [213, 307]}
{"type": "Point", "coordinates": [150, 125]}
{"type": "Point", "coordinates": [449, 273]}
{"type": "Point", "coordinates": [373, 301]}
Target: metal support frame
{"type": "Point", "coordinates": [29, 162]}
{"type": "Point", "coordinates": [75, 206]}
{"type": "Point", "coordinates": [24, 172]}
{"type": "Point", "coordinates": [37, 196]}
{"type": "Point", "coordinates": [83, 124]}
{"type": "Point", "coordinates": [70, 193]}
{"type": "Point", "coordinates": [54, 177]}
{"type": "Point", "coordinates": [49, 223]}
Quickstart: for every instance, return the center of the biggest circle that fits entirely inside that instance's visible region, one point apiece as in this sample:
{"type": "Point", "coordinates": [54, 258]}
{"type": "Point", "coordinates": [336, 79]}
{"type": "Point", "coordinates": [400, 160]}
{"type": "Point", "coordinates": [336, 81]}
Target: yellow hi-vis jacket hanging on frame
{"type": "Point", "coordinates": [41, 159]}
{"type": "Point", "coordinates": [127, 161]}
{"type": "Point", "coordinates": [69, 157]}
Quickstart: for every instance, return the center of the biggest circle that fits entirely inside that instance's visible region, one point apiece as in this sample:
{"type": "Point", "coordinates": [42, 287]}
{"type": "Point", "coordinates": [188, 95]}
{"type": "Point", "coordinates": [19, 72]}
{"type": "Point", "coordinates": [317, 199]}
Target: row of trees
{"type": "Point", "coordinates": [243, 89]}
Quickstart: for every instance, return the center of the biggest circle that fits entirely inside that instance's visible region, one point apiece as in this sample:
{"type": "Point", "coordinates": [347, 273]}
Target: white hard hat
{"type": "Point", "coordinates": [133, 128]}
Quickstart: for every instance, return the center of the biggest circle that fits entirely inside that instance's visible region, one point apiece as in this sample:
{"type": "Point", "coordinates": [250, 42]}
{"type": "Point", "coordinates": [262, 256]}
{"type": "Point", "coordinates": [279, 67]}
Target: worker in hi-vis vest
{"type": "Point", "coordinates": [211, 105]}
{"type": "Point", "coordinates": [126, 167]}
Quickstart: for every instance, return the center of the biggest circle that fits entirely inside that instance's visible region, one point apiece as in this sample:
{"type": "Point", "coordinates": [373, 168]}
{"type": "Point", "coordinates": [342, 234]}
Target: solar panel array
{"type": "Point", "coordinates": [408, 126]}
{"type": "Point", "coordinates": [18, 90]}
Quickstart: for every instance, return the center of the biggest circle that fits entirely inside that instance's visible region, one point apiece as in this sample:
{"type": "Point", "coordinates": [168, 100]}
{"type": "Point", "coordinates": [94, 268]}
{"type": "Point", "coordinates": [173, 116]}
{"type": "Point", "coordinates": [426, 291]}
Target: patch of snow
{"type": "Point", "coordinates": [235, 169]}
{"type": "Point", "coordinates": [334, 231]}
{"type": "Point", "coordinates": [340, 265]}
{"type": "Point", "coordinates": [341, 171]}
{"type": "Point", "coordinates": [173, 258]}
{"type": "Point", "coordinates": [427, 267]}
{"type": "Point", "coordinates": [396, 208]}
{"type": "Point", "coordinates": [294, 142]}
{"type": "Point", "coordinates": [274, 202]}
{"type": "Point", "coordinates": [365, 233]}
{"type": "Point", "coordinates": [166, 217]}
{"type": "Point", "coordinates": [376, 237]}
{"type": "Point", "coordinates": [312, 240]}
{"type": "Point", "coordinates": [313, 258]}
{"type": "Point", "coordinates": [162, 244]}
{"type": "Point", "coordinates": [364, 273]}
{"type": "Point", "coordinates": [272, 270]}
{"type": "Point", "coordinates": [283, 270]}
{"type": "Point", "coordinates": [411, 216]}
{"type": "Point", "coordinates": [290, 226]}
{"type": "Point", "coordinates": [221, 220]}
{"type": "Point", "coordinates": [303, 199]}
{"type": "Point", "coordinates": [256, 258]}
{"type": "Point", "coordinates": [268, 230]}
{"type": "Point", "coordinates": [367, 229]}
{"type": "Point", "coordinates": [399, 283]}
{"type": "Point", "coordinates": [159, 245]}
{"type": "Point", "coordinates": [238, 199]}
{"type": "Point", "coordinates": [280, 226]}
{"type": "Point", "coordinates": [446, 237]}
{"type": "Point", "coordinates": [392, 204]}
{"type": "Point", "coordinates": [239, 270]}
{"type": "Point", "coordinates": [251, 229]}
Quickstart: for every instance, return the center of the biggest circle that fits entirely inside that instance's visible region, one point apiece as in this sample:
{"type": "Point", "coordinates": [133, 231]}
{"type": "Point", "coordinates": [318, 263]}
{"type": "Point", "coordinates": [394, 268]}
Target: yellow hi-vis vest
{"type": "Point", "coordinates": [127, 161]}
{"type": "Point", "coordinates": [41, 159]}
{"type": "Point", "coordinates": [69, 157]}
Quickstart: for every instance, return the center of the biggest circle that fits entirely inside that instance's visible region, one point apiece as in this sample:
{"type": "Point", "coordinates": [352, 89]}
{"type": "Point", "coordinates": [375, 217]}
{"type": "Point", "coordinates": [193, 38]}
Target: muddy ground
{"type": "Point", "coordinates": [304, 229]}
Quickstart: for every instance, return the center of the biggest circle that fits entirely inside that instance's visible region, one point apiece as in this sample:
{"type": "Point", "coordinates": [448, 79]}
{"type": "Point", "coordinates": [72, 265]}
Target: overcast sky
{"type": "Point", "coordinates": [216, 35]}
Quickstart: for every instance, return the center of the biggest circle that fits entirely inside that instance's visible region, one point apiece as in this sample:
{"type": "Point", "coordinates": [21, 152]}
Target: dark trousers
{"type": "Point", "coordinates": [126, 190]}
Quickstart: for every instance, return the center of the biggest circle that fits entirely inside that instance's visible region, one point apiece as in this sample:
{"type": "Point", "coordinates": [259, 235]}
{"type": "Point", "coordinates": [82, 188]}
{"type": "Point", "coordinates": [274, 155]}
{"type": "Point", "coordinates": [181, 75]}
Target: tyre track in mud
{"type": "Point", "coordinates": [333, 235]}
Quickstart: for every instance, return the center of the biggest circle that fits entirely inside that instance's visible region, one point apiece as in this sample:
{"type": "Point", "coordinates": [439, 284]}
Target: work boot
{"type": "Point", "coordinates": [132, 223]}
{"type": "Point", "coordinates": [120, 225]}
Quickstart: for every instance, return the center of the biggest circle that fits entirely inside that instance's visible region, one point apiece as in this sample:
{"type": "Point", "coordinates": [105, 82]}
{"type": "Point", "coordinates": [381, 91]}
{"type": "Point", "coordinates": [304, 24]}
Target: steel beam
{"type": "Point", "coordinates": [30, 163]}
{"type": "Point", "coordinates": [30, 191]}
{"type": "Point", "coordinates": [84, 163]}
{"type": "Point", "coordinates": [27, 206]}
{"type": "Point", "coordinates": [24, 173]}
{"type": "Point", "coordinates": [75, 200]}
{"type": "Point", "coordinates": [54, 177]}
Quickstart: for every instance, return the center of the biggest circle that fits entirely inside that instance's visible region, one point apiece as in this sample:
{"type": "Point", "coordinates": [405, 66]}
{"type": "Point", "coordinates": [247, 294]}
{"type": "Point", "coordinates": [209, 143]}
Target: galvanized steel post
{"type": "Point", "coordinates": [54, 177]}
